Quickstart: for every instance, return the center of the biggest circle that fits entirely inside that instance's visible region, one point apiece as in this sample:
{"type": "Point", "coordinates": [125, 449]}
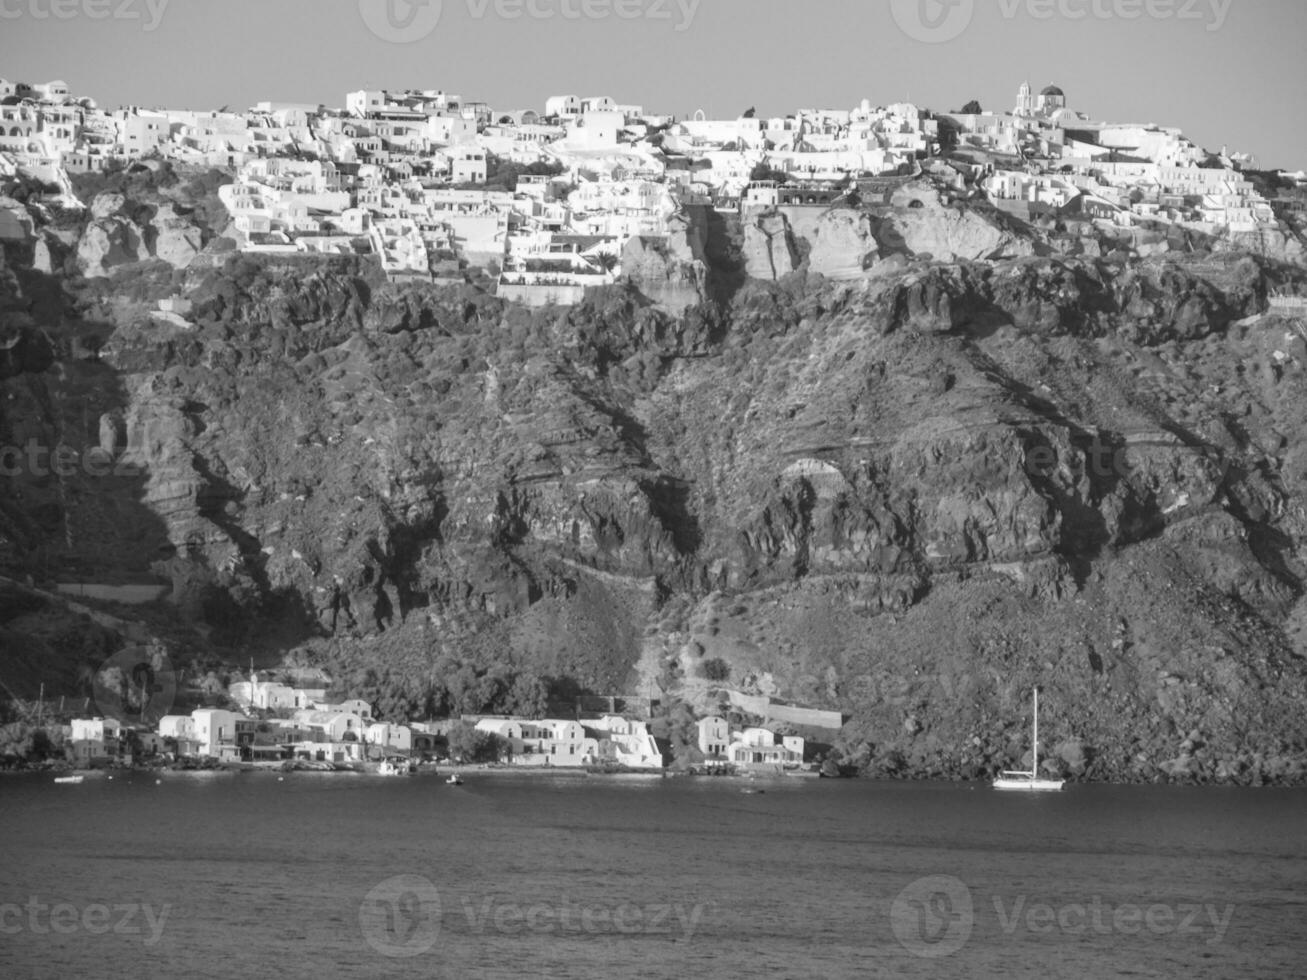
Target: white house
{"type": "Point", "coordinates": [333, 723]}
{"type": "Point", "coordinates": [714, 737]}
{"type": "Point", "coordinates": [215, 731]}
{"type": "Point", "coordinates": [467, 164]}
{"type": "Point", "coordinates": [95, 738]}
{"type": "Point", "coordinates": [364, 101]}
{"type": "Point", "coordinates": [562, 105]}
{"type": "Point", "coordinates": [355, 706]}
{"type": "Point", "coordinates": [396, 738]}
{"type": "Point", "coordinates": [270, 695]}
{"type": "Point", "coordinates": [759, 746]}
{"type": "Point", "coordinates": [593, 131]}
{"type": "Point", "coordinates": [549, 742]}
{"type": "Point", "coordinates": [627, 742]}
{"type": "Point", "coordinates": [140, 130]}
{"type": "Point", "coordinates": [180, 728]}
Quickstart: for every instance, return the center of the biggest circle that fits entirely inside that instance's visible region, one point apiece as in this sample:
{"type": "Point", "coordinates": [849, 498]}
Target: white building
{"type": "Point", "coordinates": [562, 105]}
{"type": "Point", "coordinates": [394, 738]}
{"type": "Point", "coordinates": [627, 742]}
{"type": "Point", "coordinates": [467, 164]}
{"type": "Point", "coordinates": [95, 739]}
{"type": "Point", "coordinates": [760, 747]}
{"type": "Point", "coordinates": [714, 737]}
{"type": "Point", "coordinates": [181, 729]}
{"type": "Point", "coordinates": [354, 706]}
{"type": "Point", "coordinates": [271, 695]}
{"type": "Point", "coordinates": [215, 732]}
{"type": "Point", "coordinates": [548, 742]}
{"type": "Point", "coordinates": [333, 724]}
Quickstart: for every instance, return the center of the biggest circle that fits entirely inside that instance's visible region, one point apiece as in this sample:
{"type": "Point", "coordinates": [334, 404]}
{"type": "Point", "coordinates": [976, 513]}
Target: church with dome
{"type": "Point", "coordinates": [1046, 103]}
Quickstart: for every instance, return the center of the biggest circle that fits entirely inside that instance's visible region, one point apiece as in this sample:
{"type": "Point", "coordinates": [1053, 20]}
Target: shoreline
{"type": "Point", "coordinates": [492, 771]}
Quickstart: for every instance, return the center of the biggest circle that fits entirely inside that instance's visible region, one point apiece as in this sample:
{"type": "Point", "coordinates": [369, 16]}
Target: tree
{"type": "Point", "coordinates": [716, 669]}
{"type": "Point", "coordinates": [504, 173]}
{"type": "Point", "coordinates": [528, 696]}
{"type": "Point", "coordinates": [468, 744]}
{"type": "Point", "coordinates": [972, 108]}
{"type": "Point", "coordinates": [749, 113]}
{"type": "Point", "coordinates": [16, 742]}
{"type": "Point", "coordinates": [762, 171]}
{"type": "Point", "coordinates": [21, 742]}
{"type": "Point", "coordinates": [948, 134]}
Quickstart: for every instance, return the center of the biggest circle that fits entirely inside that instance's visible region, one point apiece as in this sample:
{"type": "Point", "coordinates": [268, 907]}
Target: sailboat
{"type": "Point", "coordinates": [1020, 779]}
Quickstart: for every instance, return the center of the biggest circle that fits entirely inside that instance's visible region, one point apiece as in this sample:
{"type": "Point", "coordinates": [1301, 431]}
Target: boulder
{"type": "Point", "coordinates": [1072, 752]}
{"type": "Point", "coordinates": [109, 242]}
{"type": "Point", "coordinates": [106, 205]}
{"type": "Point", "coordinates": [43, 259]}
{"type": "Point", "coordinates": [176, 240]}
{"type": "Point", "coordinates": [15, 223]}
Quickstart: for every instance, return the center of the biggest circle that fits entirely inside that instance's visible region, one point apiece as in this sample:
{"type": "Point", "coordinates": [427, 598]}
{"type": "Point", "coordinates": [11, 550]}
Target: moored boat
{"type": "Point", "coordinates": [1030, 781]}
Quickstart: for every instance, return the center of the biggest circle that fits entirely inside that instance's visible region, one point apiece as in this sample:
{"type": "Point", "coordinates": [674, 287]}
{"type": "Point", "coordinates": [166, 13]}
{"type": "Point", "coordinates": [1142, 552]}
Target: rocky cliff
{"type": "Point", "coordinates": [905, 487]}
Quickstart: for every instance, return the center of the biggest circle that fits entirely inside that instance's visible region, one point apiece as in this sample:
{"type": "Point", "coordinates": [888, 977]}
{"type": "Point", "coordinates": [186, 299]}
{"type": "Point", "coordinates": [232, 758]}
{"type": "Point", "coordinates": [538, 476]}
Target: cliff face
{"type": "Point", "coordinates": [909, 490]}
{"type": "Point", "coordinates": [672, 272]}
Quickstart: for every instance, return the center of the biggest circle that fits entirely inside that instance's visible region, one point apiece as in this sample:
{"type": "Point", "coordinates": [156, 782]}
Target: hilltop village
{"type": "Point", "coordinates": [573, 194]}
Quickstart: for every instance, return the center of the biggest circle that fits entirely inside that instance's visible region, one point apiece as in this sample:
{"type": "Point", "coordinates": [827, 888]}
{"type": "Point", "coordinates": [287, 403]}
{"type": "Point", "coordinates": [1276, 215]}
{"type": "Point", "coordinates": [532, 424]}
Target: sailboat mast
{"type": "Point", "coordinates": [1034, 766]}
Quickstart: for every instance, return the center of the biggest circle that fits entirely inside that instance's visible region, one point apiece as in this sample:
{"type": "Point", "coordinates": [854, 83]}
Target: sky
{"type": "Point", "coordinates": [1227, 72]}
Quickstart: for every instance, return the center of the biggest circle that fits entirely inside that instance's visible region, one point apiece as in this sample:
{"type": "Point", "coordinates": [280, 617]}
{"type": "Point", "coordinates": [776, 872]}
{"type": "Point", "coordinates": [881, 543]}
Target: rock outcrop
{"type": "Point", "coordinates": [769, 248]}
{"type": "Point", "coordinates": [16, 224]}
{"type": "Point", "coordinates": [108, 242]}
{"type": "Point", "coordinates": [671, 271]}
{"type": "Point", "coordinates": [174, 238]}
{"type": "Point", "coordinates": [923, 224]}
{"type": "Point", "coordinates": [843, 245]}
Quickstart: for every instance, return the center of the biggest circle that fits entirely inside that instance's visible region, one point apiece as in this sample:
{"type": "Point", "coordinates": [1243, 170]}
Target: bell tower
{"type": "Point", "coordinates": [1025, 104]}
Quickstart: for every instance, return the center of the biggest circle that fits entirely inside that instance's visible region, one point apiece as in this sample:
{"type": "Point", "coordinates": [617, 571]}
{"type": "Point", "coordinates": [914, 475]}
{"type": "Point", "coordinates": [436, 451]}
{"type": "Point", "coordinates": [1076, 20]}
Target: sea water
{"type": "Point", "coordinates": [322, 875]}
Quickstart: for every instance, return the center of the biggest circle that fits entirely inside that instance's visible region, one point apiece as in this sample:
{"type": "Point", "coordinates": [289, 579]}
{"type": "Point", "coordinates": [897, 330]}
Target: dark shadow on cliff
{"type": "Point", "coordinates": [669, 498]}
{"type": "Point", "coordinates": [275, 617]}
{"type": "Point", "coordinates": [71, 503]}
{"type": "Point", "coordinates": [725, 261]}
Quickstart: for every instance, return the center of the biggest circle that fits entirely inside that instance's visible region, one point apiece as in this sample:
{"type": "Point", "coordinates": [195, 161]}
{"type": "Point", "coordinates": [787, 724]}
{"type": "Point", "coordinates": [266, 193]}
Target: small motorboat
{"type": "Point", "coordinates": [68, 779]}
{"type": "Point", "coordinates": [455, 780]}
{"type": "Point", "coordinates": [392, 767]}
